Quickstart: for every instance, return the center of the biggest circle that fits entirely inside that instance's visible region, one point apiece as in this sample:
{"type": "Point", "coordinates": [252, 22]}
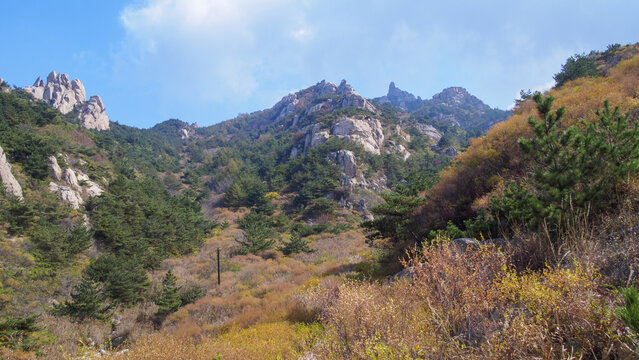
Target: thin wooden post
{"type": "Point", "coordinates": [219, 279]}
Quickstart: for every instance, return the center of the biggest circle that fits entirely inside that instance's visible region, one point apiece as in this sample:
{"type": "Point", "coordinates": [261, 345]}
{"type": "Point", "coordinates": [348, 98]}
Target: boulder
{"type": "Point", "coordinates": [345, 159]}
{"type": "Point", "coordinates": [397, 148]}
{"type": "Point", "coordinates": [93, 115]}
{"type": "Point", "coordinates": [429, 131]}
{"type": "Point", "coordinates": [313, 136]}
{"type": "Point", "coordinates": [56, 171]}
{"type": "Point", "coordinates": [367, 132]}
{"type": "Point", "coordinates": [11, 185]}
{"type": "Point", "coordinates": [70, 178]}
{"type": "Point", "coordinates": [67, 194]}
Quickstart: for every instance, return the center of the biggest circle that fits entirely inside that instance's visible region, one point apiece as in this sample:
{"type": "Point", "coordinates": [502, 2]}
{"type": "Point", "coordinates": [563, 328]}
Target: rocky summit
{"type": "Point", "coordinates": [69, 95]}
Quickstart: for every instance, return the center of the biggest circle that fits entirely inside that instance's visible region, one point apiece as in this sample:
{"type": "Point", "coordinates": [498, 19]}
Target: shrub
{"type": "Point", "coordinates": [86, 303]}
{"type": "Point", "coordinates": [575, 67]}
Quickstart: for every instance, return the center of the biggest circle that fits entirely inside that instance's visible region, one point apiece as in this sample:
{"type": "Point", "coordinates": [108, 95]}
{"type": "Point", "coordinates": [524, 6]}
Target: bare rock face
{"type": "Point", "coordinates": [429, 131]}
{"type": "Point", "coordinates": [93, 114]}
{"type": "Point", "coordinates": [70, 178]}
{"type": "Point", "coordinates": [352, 98]}
{"type": "Point", "coordinates": [397, 148]}
{"type": "Point", "coordinates": [345, 159]}
{"type": "Point", "coordinates": [56, 171]}
{"type": "Point", "coordinates": [67, 194]}
{"type": "Point", "coordinates": [312, 137]}
{"type": "Point", "coordinates": [367, 132]}
{"type": "Point", "coordinates": [72, 184]}
{"type": "Point", "coordinates": [11, 185]}
{"type": "Point", "coordinates": [59, 91]}
{"type": "Point", "coordinates": [66, 95]}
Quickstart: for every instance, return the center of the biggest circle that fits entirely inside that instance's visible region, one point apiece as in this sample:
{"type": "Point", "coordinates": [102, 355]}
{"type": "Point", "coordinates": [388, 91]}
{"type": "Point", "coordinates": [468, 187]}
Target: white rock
{"type": "Point", "coordinates": [429, 131]}
{"type": "Point", "coordinates": [81, 176]}
{"type": "Point", "coordinates": [56, 171]}
{"type": "Point", "coordinates": [312, 137]}
{"type": "Point", "coordinates": [70, 178]}
{"type": "Point", "coordinates": [66, 95]}
{"type": "Point", "coordinates": [367, 132]}
{"type": "Point", "coordinates": [93, 114]}
{"type": "Point", "coordinates": [67, 194]}
{"type": "Point", "coordinates": [184, 134]}
{"type": "Point", "coordinates": [345, 159]}
{"type": "Point", "coordinates": [93, 189]}
{"type": "Point", "coordinates": [59, 92]}
{"type": "Point", "coordinates": [11, 185]}
{"type": "Point", "coordinates": [398, 148]}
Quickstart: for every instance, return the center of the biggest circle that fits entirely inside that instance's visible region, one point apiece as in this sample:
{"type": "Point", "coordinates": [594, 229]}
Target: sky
{"type": "Point", "coordinates": [207, 61]}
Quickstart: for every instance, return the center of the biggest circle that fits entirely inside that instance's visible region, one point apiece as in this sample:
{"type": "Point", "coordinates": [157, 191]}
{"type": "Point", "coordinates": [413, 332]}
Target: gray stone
{"type": "Point", "coordinates": [56, 171]}
{"type": "Point", "coordinates": [312, 137]}
{"type": "Point", "coordinates": [66, 95]}
{"type": "Point", "coordinates": [367, 132]}
{"type": "Point", "coordinates": [11, 185]}
{"type": "Point", "coordinates": [93, 114]}
{"type": "Point", "coordinates": [345, 159]}
{"type": "Point", "coordinates": [397, 148]}
{"type": "Point", "coordinates": [67, 194]}
{"type": "Point", "coordinates": [70, 178]}
{"type": "Point", "coordinates": [429, 131]}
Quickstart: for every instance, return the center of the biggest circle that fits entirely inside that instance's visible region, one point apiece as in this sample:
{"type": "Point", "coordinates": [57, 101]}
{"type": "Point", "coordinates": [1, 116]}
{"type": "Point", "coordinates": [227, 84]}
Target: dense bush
{"type": "Point", "coordinates": [575, 67]}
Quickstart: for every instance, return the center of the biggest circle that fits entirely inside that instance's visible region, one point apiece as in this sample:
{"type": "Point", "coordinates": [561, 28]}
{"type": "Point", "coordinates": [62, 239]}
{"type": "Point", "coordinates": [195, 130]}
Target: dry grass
{"type": "Point", "coordinates": [468, 304]}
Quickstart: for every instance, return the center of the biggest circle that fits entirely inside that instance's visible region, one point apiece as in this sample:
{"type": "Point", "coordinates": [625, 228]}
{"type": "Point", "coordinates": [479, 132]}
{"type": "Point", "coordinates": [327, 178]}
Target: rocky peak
{"type": "Point", "coordinates": [344, 88]}
{"type": "Point", "coordinates": [67, 95]}
{"type": "Point", "coordinates": [399, 98]}
{"type": "Point", "coordinates": [314, 99]}
{"type": "Point", "coordinates": [458, 96]}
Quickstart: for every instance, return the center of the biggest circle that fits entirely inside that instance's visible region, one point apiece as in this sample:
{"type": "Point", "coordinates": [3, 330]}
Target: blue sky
{"type": "Point", "coordinates": [206, 61]}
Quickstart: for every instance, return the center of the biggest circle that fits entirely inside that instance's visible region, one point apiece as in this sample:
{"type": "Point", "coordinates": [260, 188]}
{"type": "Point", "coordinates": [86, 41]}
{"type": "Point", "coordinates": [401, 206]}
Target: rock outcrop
{"type": "Point", "coordinates": [397, 148]}
{"type": "Point", "coordinates": [67, 194]}
{"type": "Point", "coordinates": [399, 98]}
{"type": "Point", "coordinates": [59, 91]}
{"type": "Point", "coordinates": [4, 87]}
{"type": "Point", "coordinates": [73, 185]}
{"type": "Point", "coordinates": [67, 95]}
{"type": "Point", "coordinates": [11, 185]}
{"type": "Point", "coordinates": [318, 99]}
{"type": "Point", "coordinates": [312, 137]}
{"type": "Point", "coordinates": [56, 171]}
{"type": "Point", "coordinates": [367, 132]}
{"type": "Point", "coordinates": [429, 131]}
{"type": "Point", "coordinates": [93, 114]}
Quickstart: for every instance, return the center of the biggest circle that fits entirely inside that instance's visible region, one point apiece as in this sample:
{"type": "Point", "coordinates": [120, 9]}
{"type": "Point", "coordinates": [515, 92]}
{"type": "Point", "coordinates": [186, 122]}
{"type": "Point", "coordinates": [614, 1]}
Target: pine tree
{"type": "Point", "coordinates": [295, 245]}
{"type": "Point", "coordinates": [257, 234]}
{"type": "Point", "coordinates": [168, 299]}
{"type": "Point", "coordinates": [86, 303]}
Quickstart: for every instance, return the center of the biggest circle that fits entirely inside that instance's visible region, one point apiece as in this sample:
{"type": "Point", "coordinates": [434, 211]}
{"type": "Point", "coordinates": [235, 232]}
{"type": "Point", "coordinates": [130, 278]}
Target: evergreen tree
{"type": "Point", "coordinates": [86, 303]}
{"type": "Point", "coordinates": [575, 67]}
{"type": "Point", "coordinates": [295, 245]}
{"type": "Point", "coordinates": [125, 280]}
{"type": "Point", "coordinates": [257, 234]}
{"type": "Point", "coordinates": [168, 299]}
{"type": "Point", "coordinates": [235, 195]}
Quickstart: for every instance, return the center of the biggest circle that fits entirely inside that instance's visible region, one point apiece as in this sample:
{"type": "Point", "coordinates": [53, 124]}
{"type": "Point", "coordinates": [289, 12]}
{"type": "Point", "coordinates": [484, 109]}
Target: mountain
{"type": "Point", "coordinates": [111, 231]}
{"type": "Point", "coordinates": [453, 105]}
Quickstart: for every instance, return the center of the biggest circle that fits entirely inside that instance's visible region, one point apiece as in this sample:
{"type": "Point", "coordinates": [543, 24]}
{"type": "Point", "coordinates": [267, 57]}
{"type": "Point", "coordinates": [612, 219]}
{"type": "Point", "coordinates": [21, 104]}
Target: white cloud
{"type": "Point", "coordinates": [210, 49]}
{"type": "Point", "coordinates": [542, 88]}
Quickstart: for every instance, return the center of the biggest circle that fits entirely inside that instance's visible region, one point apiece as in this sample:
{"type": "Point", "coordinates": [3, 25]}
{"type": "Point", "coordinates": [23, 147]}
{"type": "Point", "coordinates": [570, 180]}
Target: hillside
{"type": "Point", "coordinates": [511, 241]}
